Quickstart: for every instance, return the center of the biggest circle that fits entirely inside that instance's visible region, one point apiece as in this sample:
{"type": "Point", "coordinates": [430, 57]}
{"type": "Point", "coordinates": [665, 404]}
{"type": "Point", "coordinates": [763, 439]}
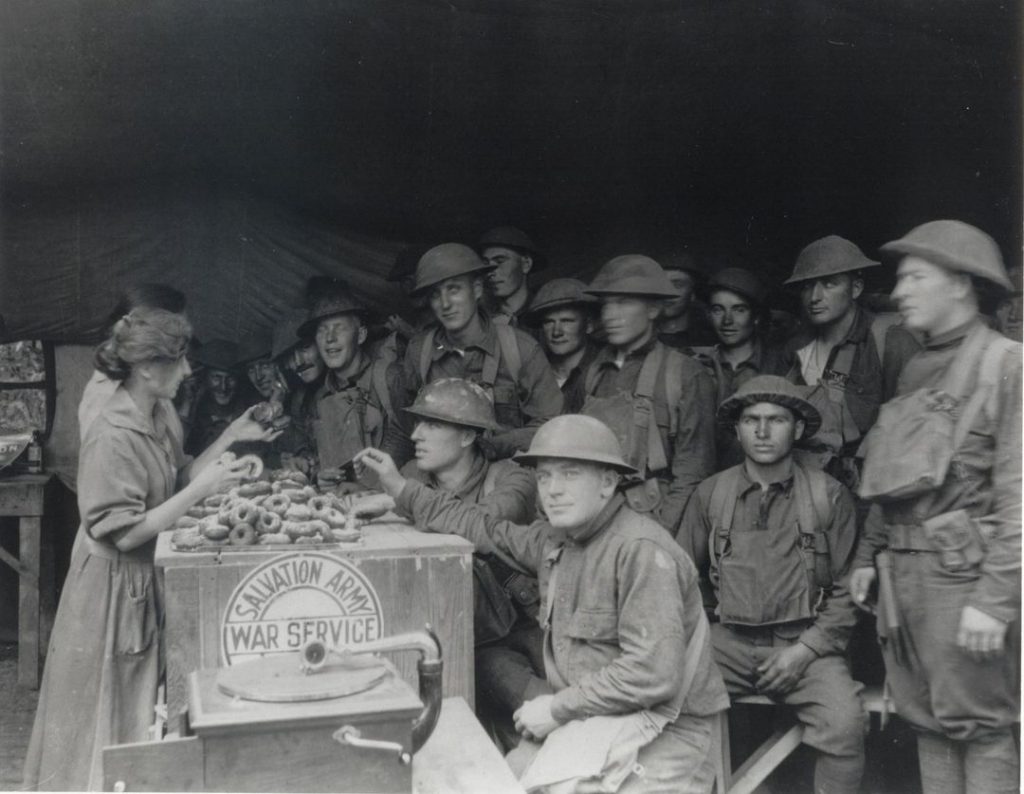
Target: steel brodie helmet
{"type": "Point", "coordinates": [456, 401]}
{"type": "Point", "coordinates": [576, 437]}
{"type": "Point", "coordinates": [446, 261]}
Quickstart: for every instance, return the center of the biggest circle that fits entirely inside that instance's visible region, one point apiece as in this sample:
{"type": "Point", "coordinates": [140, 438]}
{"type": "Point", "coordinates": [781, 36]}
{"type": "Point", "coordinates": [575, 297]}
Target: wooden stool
{"type": "Point", "coordinates": [774, 750]}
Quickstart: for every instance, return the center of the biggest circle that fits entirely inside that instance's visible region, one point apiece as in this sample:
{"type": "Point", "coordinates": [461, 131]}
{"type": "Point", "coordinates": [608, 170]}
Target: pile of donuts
{"type": "Point", "coordinates": [269, 508]}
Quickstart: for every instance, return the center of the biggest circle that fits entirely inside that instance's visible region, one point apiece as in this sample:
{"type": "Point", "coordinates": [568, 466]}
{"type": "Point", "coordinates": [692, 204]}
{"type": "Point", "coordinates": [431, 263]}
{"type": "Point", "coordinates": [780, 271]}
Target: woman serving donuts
{"type": "Point", "coordinates": [100, 681]}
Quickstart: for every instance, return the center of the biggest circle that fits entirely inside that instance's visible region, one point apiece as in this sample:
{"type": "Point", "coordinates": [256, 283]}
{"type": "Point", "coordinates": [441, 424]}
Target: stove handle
{"type": "Point", "coordinates": [349, 735]}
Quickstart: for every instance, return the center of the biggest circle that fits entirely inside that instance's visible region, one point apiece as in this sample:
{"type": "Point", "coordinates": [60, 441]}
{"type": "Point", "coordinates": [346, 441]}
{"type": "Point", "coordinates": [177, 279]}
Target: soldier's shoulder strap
{"type": "Point", "coordinates": [722, 502]}
{"type": "Point", "coordinates": [986, 391]}
{"type": "Point", "coordinates": [813, 505]}
{"type": "Point", "coordinates": [426, 354]}
{"type": "Point", "coordinates": [508, 344]}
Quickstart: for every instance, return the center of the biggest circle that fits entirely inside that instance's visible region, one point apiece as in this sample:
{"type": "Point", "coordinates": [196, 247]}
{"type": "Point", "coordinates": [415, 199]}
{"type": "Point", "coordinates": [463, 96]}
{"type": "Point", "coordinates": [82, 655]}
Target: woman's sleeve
{"type": "Point", "coordinates": [112, 485]}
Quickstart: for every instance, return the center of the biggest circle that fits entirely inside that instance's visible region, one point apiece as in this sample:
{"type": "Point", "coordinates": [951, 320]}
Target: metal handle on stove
{"type": "Point", "coordinates": [349, 734]}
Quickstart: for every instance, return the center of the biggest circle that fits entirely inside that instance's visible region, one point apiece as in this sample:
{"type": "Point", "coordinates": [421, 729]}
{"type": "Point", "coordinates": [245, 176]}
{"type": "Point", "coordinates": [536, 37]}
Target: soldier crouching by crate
{"type": "Point", "coordinates": [451, 417]}
{"type": "Point", "coordinates": [627, 655]}
{"type": "Point", "coordinates": [777, 538]}
{"type": "Point", "coordinates": [943, 469]}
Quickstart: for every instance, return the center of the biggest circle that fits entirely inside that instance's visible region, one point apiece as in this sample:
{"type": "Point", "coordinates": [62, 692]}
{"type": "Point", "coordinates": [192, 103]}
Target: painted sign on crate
{"type": "Point", "coordinates": [296, 597]}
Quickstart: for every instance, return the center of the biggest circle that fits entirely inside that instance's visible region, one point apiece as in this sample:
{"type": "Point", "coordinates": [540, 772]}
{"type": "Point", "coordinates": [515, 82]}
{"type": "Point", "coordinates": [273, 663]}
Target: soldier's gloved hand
{"type": "Point", "coordinates": [981, 635]}
{"type": "Point", "coordinates": [782, 671]}
{"type": "Point", "coordinates": [862, 582]}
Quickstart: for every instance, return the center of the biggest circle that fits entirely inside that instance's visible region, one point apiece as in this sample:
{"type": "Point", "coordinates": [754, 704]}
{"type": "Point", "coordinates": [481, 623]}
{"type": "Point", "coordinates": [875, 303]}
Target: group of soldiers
{"type": "Point", "coordinates": [717, 496]}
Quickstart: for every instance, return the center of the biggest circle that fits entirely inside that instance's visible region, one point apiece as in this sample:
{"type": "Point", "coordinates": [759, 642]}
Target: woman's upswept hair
{"type": "Point", "coordinates": [142, 335]}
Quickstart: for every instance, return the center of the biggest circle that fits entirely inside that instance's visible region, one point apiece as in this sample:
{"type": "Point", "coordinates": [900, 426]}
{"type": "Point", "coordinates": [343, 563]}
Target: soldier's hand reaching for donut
{"type": "Point", "coordinates": [391, 480]}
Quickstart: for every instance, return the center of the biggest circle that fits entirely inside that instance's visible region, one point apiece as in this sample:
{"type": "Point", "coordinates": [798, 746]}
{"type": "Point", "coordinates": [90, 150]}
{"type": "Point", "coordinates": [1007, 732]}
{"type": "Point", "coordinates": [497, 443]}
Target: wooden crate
{"type": "Point", "coordinates": [417, 577]}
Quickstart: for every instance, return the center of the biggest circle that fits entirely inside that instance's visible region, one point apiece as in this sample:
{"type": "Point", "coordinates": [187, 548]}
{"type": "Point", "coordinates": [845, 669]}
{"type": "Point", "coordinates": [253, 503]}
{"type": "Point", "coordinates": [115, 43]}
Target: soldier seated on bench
{"type": "Point", "coordinates": [776, 540]}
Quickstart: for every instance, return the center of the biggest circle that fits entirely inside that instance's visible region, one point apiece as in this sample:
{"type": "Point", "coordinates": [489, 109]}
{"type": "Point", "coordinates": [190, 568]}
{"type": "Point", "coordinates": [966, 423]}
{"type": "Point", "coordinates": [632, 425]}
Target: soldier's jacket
{"type": "Point", "coordinates": [984, 478]}
{"type": "Point", "coordinates": [620, 599]}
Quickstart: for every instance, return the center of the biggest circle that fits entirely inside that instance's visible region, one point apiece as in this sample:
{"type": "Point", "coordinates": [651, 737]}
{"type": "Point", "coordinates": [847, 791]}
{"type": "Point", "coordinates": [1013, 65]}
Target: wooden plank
{"type": "Point", "coordinates": [29, 530]}
{"type": "Point", "coordinates": [459, 757]}
{"type": "Point", "coordinates": [23, 496]}
{"type": "Point", "coordinates": [765, 759]}
{"type": "Point", "coordinates": [168, 765]}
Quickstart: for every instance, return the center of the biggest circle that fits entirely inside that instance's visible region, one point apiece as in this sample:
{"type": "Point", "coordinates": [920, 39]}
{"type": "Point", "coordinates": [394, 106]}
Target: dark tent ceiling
{"type": "Point", "coordinates": [160, 139]}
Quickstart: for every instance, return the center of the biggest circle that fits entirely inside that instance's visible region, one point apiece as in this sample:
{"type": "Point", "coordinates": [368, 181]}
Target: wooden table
{"type": "Point", "coordinates": [459, 757]}
{"type": "Point", "coordinates": [22, 497]}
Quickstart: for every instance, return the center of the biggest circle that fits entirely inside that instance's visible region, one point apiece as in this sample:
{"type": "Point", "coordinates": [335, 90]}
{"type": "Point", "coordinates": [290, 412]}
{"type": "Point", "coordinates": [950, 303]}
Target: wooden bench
{"type": "Point", "coordinates": [783, 741]}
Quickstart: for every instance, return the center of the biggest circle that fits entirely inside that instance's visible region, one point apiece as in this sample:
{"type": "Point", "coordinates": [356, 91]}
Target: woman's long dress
{"type": "Point", "coordinates": [104, 660]}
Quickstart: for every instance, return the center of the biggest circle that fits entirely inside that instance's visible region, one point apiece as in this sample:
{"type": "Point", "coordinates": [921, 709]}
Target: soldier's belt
{"type": "Point", "coordinates": [908, 537]}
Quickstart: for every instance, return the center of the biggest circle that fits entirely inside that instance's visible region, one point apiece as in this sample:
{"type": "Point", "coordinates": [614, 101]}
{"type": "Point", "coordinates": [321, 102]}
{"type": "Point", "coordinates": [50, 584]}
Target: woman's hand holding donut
{"type": "Point", "coordinates": [219, 475]}
{"type": "Point", "coordinates": [245, 428]}
{"type": "Point", "coordinates": [391, 480]}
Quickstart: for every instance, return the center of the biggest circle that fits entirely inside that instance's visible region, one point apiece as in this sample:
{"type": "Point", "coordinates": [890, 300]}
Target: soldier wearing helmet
{"type": "Point", "coordinates": [738, 310]}
{"type": "Point", "coordinates": [352, 407]}
{"type": "Point", "coordinates": [299, 364]}
{"type": "Point", "coordinates": [656, 399]}
{"type": "Point", "coordinates": [683, 323]}
{"type": "Point", "coordinates": [843, 351]}
{"type": "Point", "coordinates": [943, 538]}
{"type": "Point", "coordinates": [564, 314]}
{"type": "Point", "coordinates": [776, 539]}
{"type": "Point", "coordinates": [225, 394]}
{"type": "Point", "coordinates": [512, 256]}
{"type": "Point", "coordinates": [625, 635]}
{"type": "Point", "coordinates": [506, 362]}
{"type": "Point", "coordinates": [451, 415]}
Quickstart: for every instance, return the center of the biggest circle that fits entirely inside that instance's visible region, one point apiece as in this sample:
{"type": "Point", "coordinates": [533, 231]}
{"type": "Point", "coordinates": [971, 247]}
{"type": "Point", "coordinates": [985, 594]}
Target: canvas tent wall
{"type": "Point", "coordinates": [233, 149]}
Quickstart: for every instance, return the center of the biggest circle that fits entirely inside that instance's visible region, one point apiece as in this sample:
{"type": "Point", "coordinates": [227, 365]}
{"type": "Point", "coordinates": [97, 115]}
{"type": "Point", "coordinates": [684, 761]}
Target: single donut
{"type": "Point", "coordinates": [268, 540]}
{"type": "Point", "coordinates": [277, 503]}
{"type": "Point", "coordinates": [216, 532]}
{"type": "Point", "coordinates": [319, 506]}
{"type": "Point", "coordinates": [186, 521]}
{"type": "Point", "coordinates": [255, 465]}
{"type": "Point", "coordinates": [298, 513]}
{"type": "Point", "coordinates": [298, 529]}
{"type": "Point", "coordinates": [319, 527]}
{"type": "Point", "coordinates": [269, 523]}
{"type": "Point", "coordinates": [244, 513]}
{"type": "Point", "coordinates": [189, 538]}
{"type": "Point", "coordinates": [212, 511]}
{"type": "Point", "coordinates": [251, 489]}
{"type": "Point", "coordinates": [346, 535]}
{"type": "Point", "coordinates": [299, 496]}
{"type": "Point", "coordinates": [304, 541]}
{"type": "Point", "coordinates": [215, 501]}
{"type": "Point", "coordinates": [196, 511]}
{"type": "Point", "coordinates": [335, 518]}
{"type": "Point", "coordinates": [242, 535]}
{"type": "Point", "coordinates": [297, 476]}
